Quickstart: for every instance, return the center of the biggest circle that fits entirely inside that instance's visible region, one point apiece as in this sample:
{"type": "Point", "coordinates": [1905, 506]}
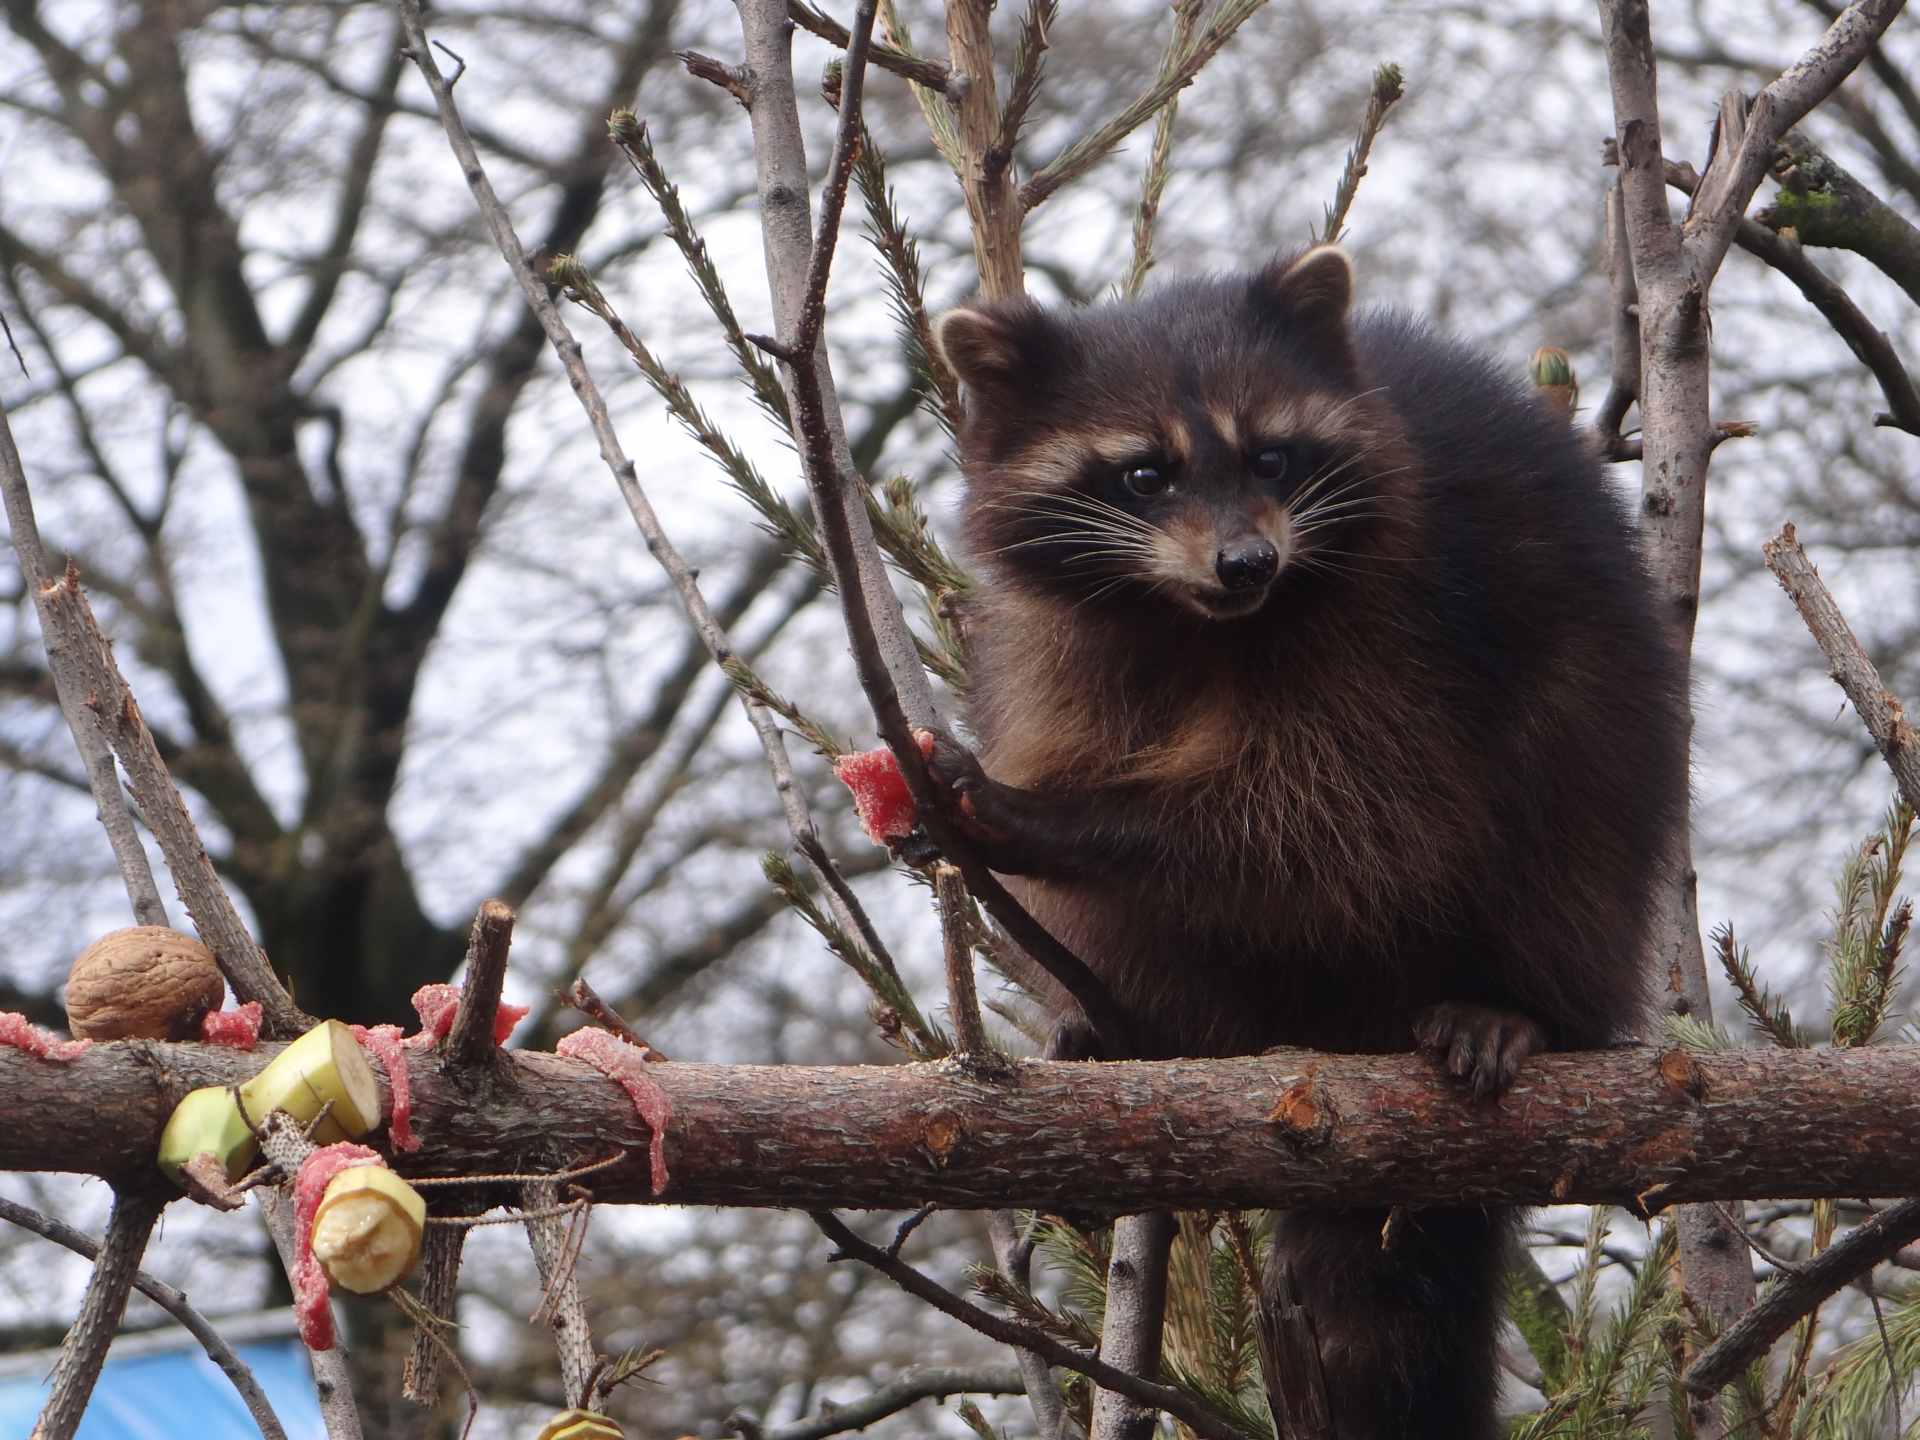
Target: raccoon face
{"type": "Point", "coordinates": [1199, 448]}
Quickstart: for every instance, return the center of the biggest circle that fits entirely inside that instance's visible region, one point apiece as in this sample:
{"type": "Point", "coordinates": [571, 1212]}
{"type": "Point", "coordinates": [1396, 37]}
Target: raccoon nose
{"type": "Point", "coordinates": [1246, 564]}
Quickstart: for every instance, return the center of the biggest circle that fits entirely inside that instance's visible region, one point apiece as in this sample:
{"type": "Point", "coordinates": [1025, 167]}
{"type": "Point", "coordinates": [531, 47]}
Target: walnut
{"type": "Point", "coordinates": [146, 981]}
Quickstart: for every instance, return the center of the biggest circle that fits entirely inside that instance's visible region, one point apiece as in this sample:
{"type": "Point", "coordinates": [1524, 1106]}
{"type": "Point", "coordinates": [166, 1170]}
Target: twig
{"type": "Point", "coordinates": [1013, 1257]}
{"type": "Point", "coordinates": [719, 646]}
{"type": "Point", "coordinates": [917, 68]}
{"type": "Point", "coordinates": [1388, 87]}
{"type": "Point", "coordinates": [556, 1247]}
{"type": "Point", "coordinates": [1029, 69]}
{"type": "Point", "coordinates": [110, 802]}
{"type": "Point", "coordinates": [1083, 154]}
{"type": "Point", "coordinates": [1186, 15]}
{"type": "Point", "coordinates": [470, 1041]}
{"type": "Point", "coordinates": [956, 933]}
{"type": "Point", "coordinates": [730, 78]}
{"type": "Point", "coordinates": [1799, 1291]}
{"type": "Point", "coordinates": [907, 1226]}
{"type": "Point", "coordinates": [71, 626]}
{"type": "Point", "coordinates": [584, 998]}
{"type": "Point", "coordinates": [332, 1381]}
{"type": "Point", "coordinates": [1135, 1318]}
{"type": "Point", "coordinates": [909, 1387]}
{"type": "Point", "coordinates": [1176, 1403]}
{"type": "Point", "coordinates": [1879, 708]}
{"type": "Point", "coordinates": [84, 1351]}
{"type": "Point", "coordinates": [174, 1302]}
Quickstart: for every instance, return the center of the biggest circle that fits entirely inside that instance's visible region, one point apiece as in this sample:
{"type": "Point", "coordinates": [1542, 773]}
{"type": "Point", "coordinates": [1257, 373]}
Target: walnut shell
{"type": "Point", "coordinates": [146, 981]}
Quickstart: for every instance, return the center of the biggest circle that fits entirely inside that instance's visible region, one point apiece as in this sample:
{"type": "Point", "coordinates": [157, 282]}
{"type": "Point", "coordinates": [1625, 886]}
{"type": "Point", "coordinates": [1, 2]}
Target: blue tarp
{"type": "Point", "coordinates": [179, 1395]}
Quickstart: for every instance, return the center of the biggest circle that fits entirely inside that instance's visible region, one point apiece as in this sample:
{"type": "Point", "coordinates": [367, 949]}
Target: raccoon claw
{"type": "Point", "coordinates": [954, 768]}
{"type": "Point", "coordinates": [1479, 1044]}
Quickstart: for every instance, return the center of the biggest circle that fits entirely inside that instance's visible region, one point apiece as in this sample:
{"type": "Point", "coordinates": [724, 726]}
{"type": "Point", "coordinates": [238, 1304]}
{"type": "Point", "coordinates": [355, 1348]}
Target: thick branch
{"type": "Point", "coordinates": [1869, 344]}
{"type": "Point", "coordinates": [1737, 169]}
{"type": "Point", "coordinates": [1136, 1313]}
{"type": "Point", "coordinates": [1355, 1130]}
{"type": "Point", "coordinates": [1823, 204]}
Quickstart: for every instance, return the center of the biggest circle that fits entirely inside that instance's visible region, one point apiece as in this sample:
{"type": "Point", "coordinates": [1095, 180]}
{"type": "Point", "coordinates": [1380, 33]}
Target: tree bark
{"type": "Point", "coordinates": [1631, 1127]}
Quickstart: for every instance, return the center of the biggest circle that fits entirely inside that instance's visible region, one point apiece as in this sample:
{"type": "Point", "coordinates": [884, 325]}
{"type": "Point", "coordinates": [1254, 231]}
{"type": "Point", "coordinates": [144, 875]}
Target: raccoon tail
{"type": "Point", "coordinates": [1387, 1334]}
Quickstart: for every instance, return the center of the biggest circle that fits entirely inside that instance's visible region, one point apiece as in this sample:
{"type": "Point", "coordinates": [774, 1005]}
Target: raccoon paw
{"type": "Point", "coordinates": [954, 768]}
{"type": "Point", "coordinates": [1072, 1038]}
{"type": "Point", "coordinates": [1478, 1044]}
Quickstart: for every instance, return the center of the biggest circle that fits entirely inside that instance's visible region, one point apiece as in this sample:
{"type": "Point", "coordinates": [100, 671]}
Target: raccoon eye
{"type": "Point", "coordinates": [1269, 463]}
{"type": "Point", "coordinates": [1144, 481]}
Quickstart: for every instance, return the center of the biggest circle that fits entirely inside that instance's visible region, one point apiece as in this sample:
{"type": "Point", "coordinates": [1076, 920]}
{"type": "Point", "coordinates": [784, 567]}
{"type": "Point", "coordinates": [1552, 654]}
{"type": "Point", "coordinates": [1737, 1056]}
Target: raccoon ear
{"type": "Point", "coordinates": [995, 346]}
{"type": "Point", "coordinates": [1311, 293]}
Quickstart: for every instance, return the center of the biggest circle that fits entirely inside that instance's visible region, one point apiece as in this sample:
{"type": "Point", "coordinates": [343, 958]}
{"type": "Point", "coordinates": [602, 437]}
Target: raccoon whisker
{"type": "Point", "coordinates": [1347, 404]}
{"type": "Point", "coordinates": [1325, 478]}
{"type": "Point", "coordinates": [1114, 540]}
{"type": "Point", "coordinates": [1341, 507]}
{"type": "Point", "coordinates": [1034, 502]}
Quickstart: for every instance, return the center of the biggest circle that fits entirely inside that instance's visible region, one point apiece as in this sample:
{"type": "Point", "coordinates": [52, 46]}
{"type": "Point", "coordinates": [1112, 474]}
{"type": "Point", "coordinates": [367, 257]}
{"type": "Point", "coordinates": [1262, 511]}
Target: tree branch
{"type": "Point", "coordinates": [997, 1327]}
{"type": "Point", "coordinates": [135, 1213]}
{"type": "Point", "coordinates": [110, 804]}
{"type": "Point", "coordinates": [1866, 340]}
{"type": "Point", "coordinates": [1799, 1292]}
{"type": "Point", "coordinates": [1135, 1317]}
{"type": "Point", "coordinates": [918, 68]}
{"type": "Point", "coordinates": [174, 1302]}
{"type": "Point", "coordinates": [909, 1387]}
{"type": "Point", "coordinates": [793, 802]}
{"type": "Point", "coordinates": [1879, 708]}
{"type": "Point", "coordinates": [71, 628]}
{"type": "Point", "coordinates": [1678, 1126]}
{"type": "Point", "coordinates": [1740, 163]}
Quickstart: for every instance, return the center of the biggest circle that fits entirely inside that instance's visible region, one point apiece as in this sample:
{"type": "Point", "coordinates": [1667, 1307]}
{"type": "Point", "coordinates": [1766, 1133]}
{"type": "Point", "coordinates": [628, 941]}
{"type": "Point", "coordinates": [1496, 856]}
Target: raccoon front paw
{"type": "Point", "coordinates": [955, 769]}
{"type": "Point", "coordinates": [1478, 1044]}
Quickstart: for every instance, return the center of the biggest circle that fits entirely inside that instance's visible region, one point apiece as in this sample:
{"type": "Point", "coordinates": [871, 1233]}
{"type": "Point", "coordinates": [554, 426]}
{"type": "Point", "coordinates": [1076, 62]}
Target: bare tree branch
{"type": "Point", "coordinates": [997, 1327]}
{"type": "Point", "coordinates": [910, 1387]}
{"type": "Point", "coordinates": [110, 803]}
{"type": "Point", "coordinates": [1798, 1293]}
{"type": "Point", "coordinates": [174, 1302]}
{"type": "Point", "coordinates": [135, 1213]}
{"type": "Point", "coordinates": [1879, 708]}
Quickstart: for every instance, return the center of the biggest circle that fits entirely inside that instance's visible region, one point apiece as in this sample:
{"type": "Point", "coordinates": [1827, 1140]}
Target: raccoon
{"type": "Point", "coordinates": [1320, 701]}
